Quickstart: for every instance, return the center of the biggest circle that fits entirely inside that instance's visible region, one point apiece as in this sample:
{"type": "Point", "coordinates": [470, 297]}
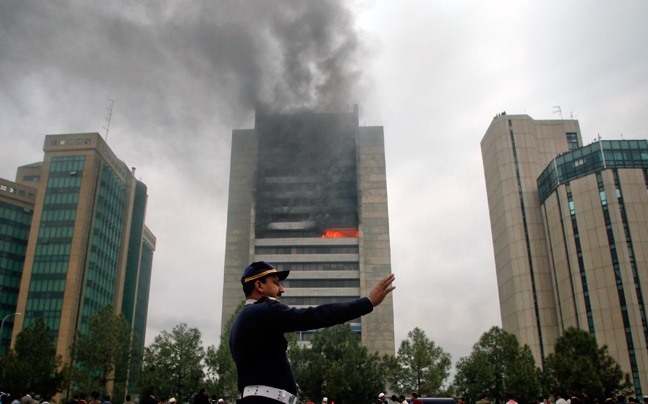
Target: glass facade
{"type": "Point", "coordinates": [52, 254]}
{"type": "Point", "coordinates": [129, 302]}
{"type": "Point", "coordinates": [591, 159]}
{"type": "Point", "coordinates": [15, 223]}
{"type": "Point", "coordinates": [141, 312]}
{"type": "Point", "coordinates": [104, 246]}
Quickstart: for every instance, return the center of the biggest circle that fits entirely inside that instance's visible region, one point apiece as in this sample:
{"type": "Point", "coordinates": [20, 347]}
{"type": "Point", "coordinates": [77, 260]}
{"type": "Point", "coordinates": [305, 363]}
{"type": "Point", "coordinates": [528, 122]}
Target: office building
{"type": "Point", "coordinates": [308, 193]}
{"type": "Point", "coordinates": [570, 234]}
{"type": "Point", "coordinates": [88, 245]}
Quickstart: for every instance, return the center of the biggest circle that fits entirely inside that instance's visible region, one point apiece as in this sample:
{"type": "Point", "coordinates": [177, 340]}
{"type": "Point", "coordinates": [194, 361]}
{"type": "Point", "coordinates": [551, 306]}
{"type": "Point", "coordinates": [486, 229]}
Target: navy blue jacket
{"type": "Point", "coordinates": [257, 338]}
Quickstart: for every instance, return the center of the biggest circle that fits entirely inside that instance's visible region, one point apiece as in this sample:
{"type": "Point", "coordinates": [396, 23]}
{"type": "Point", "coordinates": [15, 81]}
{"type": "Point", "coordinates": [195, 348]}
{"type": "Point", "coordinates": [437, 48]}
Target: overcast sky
{"type": "Point", "coordinates": [183, 74]}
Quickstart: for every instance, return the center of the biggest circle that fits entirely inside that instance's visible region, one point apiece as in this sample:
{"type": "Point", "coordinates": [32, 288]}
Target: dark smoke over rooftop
{"type": "Point", "coordinates": [168, 61]}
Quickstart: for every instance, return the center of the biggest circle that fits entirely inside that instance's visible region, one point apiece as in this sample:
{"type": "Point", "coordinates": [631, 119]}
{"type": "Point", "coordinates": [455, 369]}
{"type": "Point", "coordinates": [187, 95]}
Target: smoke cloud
{"type": "Point", "coordinates": [241, 55]}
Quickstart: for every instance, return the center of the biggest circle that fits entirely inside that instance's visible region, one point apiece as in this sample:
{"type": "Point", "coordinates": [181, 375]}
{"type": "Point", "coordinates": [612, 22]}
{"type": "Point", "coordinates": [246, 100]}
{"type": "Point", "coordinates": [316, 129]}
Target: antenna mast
{"type": "Point", "coordinates": [558, 111]}
{"type": "Point", "coordinates": [109, 108]}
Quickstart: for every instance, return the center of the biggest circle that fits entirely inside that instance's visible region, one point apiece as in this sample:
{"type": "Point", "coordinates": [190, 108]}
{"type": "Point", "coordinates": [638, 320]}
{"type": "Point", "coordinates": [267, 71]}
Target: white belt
{"type": "Point", "coordinates": [270, 392]}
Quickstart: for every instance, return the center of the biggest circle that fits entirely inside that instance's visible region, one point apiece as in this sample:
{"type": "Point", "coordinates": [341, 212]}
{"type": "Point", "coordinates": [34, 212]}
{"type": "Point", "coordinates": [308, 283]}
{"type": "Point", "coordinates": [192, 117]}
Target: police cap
{"type": "Point", "coordinates": [260, 269]}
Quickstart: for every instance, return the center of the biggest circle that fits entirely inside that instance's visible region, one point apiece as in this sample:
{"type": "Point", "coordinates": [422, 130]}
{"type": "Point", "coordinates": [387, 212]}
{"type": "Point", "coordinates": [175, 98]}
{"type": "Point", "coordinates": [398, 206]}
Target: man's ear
{"type": "Point", "coordinates": [258, 286]}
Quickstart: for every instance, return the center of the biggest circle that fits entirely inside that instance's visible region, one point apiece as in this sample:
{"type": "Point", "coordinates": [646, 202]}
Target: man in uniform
{"type": "Point", "coordinates": [257, 338]}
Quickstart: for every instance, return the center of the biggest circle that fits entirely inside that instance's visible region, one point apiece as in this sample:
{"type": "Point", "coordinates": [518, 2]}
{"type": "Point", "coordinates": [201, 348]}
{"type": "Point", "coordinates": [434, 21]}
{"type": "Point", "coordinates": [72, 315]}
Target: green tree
{"type": "Point", "coordinates": [337, 366]}
{"type": "Point", "coordinates": [421, 366]}
{"type": "Point", "coordinates": [222, 376]}
{"type": "Point", "coordinates": [579, 365]}
{"type": "Point", "coordinates": [32, 365]}
{"type": "Point", "coordinates": [498, 367]}
{"type": "Point", "coordinates": [172, 366]}
{"type": "Point", "coordinates": [103, 356]}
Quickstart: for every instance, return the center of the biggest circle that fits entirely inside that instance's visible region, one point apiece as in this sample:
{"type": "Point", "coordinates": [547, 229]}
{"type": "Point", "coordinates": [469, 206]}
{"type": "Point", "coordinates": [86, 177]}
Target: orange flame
{"type": "Point", "coordinates": [339, 233]}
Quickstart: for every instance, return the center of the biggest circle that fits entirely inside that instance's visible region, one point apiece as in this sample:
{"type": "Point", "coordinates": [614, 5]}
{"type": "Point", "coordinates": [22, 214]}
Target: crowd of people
{"type": "Point", "coordinates": [96, 398]}
{"type": "Point", "coordinates": [32, 398]}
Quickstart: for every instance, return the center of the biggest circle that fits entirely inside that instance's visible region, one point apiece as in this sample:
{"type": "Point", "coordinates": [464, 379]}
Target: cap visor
{"type": "Point", "coordinates": [283, 274]}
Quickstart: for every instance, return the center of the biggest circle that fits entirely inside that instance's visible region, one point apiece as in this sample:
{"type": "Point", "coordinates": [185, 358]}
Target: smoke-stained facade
{"type": "Point", "coordinates": [570, 233]}
{"type": "Point", "coordinates": [308, 193]}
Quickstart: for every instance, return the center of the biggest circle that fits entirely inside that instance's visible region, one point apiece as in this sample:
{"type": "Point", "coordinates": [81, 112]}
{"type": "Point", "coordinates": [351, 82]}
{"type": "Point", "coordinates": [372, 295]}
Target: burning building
{"type": "Point", "coordinates": [308, 193]}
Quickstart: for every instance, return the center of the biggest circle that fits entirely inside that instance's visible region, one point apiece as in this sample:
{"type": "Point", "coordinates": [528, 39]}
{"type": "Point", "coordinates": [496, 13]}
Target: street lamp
{"type": "Point", "coordinates": [2, 324]}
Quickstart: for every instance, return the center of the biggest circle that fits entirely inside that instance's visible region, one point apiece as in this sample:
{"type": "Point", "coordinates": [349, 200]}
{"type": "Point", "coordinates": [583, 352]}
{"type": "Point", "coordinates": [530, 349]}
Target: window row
{"type": "Point", "coordinates": [51, 215]}
{"type": "Point", "coordinates": [9, 297]}
{"type": "Point", "coordinates": [59, 198]}
{"type": "Point", "coordinates": [64, 182]}
{"type": "Point", "coordinates": [21, 233]}
{"type": "Point", "coordinates": [308, 250]}
{"type": "Point", "coordinates": [44, 304]}
{"type": "Point", "coordinates": [315, 301]}
{"type": "Point", "coordinates": [58, 267]}
{"type": "Point", "coordinates": [318, 266]}
{"type": "Point", "coordinates": [56, 232]}
{"type": "Point", "coordinates": [11, 265]}
{"type": "Point", "coordinates": [9, 282]}
{"type": "Point", "coordinates": [57, 285]}
{"type": "Point", "coordinates": [321, 283]}
{"type": "Point", "coordinates": [53, 249]}
{"type": "Point", "coordinates": [12, 248]}
{"type": "Point", "coordinates": [15, 214]}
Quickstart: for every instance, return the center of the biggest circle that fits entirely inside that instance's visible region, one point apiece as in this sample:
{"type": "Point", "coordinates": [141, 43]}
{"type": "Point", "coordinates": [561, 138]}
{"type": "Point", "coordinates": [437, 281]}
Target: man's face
{"type": "Point", "coordinates": [272, 287]}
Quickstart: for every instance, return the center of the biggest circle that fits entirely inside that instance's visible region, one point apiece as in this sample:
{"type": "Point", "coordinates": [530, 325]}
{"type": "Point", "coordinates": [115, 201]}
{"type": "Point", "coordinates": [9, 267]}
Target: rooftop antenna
{"type": "Point", "coordinates": [109, 108]}
{"type": "Point", "coordinates": [559, 111]}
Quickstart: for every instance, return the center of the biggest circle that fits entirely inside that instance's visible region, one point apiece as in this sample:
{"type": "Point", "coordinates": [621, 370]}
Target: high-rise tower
{"type": "Point", "coordinates": [88, 245]}
{"type": "Point", "coordinates": [570, 233]}
{"type": "Point", "coordinates": [308, 193]}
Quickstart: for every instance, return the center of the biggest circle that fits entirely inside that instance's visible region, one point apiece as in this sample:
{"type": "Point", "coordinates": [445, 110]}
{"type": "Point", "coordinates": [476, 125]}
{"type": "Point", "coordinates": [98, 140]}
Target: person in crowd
{"type": "Point", "coordinates": [201, 397]}
{"type": "Point", "coordinates": [560, 399]}
{"type": "Point", "coordinates": [510, 399]}
{"type": "Point", "coordinates": [128, 400]}
{"type": "Point", "coordinates": [95, 398]}
{"type": "Point", "coordinates": [27, 398]}
{"type": "Point", "coordinates": [415, 399]}
{"type": "Point", "coordinates": [148, 398]}
{"type": "Point", "coordinates": [483, 399]}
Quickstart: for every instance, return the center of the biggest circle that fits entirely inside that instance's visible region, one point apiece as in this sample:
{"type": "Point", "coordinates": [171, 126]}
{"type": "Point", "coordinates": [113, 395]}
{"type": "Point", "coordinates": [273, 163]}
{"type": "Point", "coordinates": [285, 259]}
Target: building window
{"type": "Point", "coordinates": [572, 141]}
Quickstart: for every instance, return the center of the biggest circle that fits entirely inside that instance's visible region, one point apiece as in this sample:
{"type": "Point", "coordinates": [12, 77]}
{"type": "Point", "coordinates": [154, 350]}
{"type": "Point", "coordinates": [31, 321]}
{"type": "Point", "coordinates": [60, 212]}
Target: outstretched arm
{"type": "Point", "coordinates": [382, 289]}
